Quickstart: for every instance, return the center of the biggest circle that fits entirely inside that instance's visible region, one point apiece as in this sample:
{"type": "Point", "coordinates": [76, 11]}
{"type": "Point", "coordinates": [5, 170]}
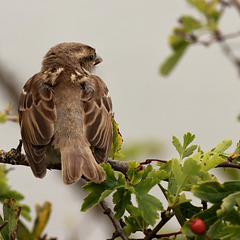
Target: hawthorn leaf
{"type": "Point", "coordinates": [148, 204]}
{"type": "Point", "coordinates": [11, 214]}
{"type": "Point", "coordinates": [99, 191]}
{"type": "Point", "coordinates": [22, 232]}
{"type": "Point", "coordinates": [43, 214]}
{"type": "Point", "coordinates": [228, 204]}
{"type": "Point", "coordinates": [189, 151]}
{"type": "Point", "coordinates": [133, 173]}
{"type": "Point", "coordinates": [177, 144]}
{"type": "Point", "coordinates": [169, 64]}
{"type": "Point", "coordinates": [117, 142]}
{"type": "Point", "coordinates": [187, 139]}
{"type": "Point", "coordinates": [189, 23]}
{"type": "Point", "coordinates": [223, 146]}
{"type": "Point", "coordinates": [121, 198]}
{"type": "Point", "coordinates": [215, 192]}
{"type": "Point", "coordinates": [210, 160]}
{"type": "Point", "coordinates": [135, 222]}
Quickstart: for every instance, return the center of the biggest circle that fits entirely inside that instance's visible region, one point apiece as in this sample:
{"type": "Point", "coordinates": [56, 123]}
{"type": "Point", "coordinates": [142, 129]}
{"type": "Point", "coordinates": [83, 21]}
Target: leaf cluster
{"type": "Point", "coordinates": [11, 226]}
{"type": "Point", "coordinates": [191, 29]}
{"type": "Point", "coordinates": [137, 182]}
{"type": "Point", "coordinates": [139, 209]}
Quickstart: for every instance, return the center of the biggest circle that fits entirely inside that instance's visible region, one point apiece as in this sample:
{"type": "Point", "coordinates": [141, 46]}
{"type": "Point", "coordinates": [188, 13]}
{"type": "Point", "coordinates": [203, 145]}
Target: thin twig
{"type": "Point", "coordinates": [165, 219]}
{"type": "Point", "coordinates": [116, 223]}
{"type": "Point", "coordinates": [229, 164]}
{"type": "Point", "coordinates": [148, 161]}
{"type": "Point", "coordinates": [168, 234]}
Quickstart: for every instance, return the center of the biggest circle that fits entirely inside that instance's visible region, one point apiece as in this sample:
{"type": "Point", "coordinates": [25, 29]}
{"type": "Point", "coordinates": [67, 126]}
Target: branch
{"type": "Point", "coordinates": [116, 223]}
{"type": "Point", "coordinates": [165, 218]}
{"type": "Point", "coordinates": [229, 164]}
{"type": "Point", "coordinates": [15, 157]}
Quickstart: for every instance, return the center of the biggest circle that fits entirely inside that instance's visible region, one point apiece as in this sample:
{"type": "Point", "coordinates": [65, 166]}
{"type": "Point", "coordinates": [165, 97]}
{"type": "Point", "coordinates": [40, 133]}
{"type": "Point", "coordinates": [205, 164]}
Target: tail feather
{"type": "Point", "coordinates": [78, 161]}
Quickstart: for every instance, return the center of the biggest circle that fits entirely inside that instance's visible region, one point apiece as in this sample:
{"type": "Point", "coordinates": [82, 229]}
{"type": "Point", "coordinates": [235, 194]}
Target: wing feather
{"type": "Point", "coordinates": [97, 117]}
{"type": "Point", "coordinates": [37, 114]}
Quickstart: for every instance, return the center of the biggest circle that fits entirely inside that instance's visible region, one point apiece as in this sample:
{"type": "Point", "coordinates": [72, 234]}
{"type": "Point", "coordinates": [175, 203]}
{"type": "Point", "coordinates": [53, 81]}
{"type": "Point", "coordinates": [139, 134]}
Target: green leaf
{"type": "Point", "coordinates": [187, 139]}
{"type": "Point", "coordinates": [99, 191]}
{"type": "Point", "coordinates": [184, 150]}
{"type": "Point", "coordinates": [210, 161]}
{"type": "Point", "coordinates": [117, 142]}
{"type": "Point", "coordinates": [135, 221]}
{"type": "Point", "coordinates": [22, 232]}
{"type": "Point", "coordinates": [121, 198]}
{"type": "Point", "coordinates": [228, 232]}
{"type": "Point", "coordinates": [236, 153]}
{"type": "Point", "coordinates": [177, 144]}
{"type": "Point", "coordinates": [3, 117]}
{"type": "Point", "coordinates": [133, 172]}
{"type": "Point", "coordinates": [176, 40]}
{"type": "Point", "coordinates": [223, 146]}
{"type": "Point", "coordinates": [190, 23]}
{"type": "Point", "coordinates": [148, 204]}
{"type": "Point", "coordinates": [214, 192]}
{"type": "Point", "coordinates": [169, 64]}
{"type": "Point", "coordinates": [43, 213]}
{"type": "Point", "coordinates": [188, 209]}
{"type": "Point", "coordinates": [228, 203]}
{"type": "Point", "coordinates": [189, 151]}
{"type": "Point", "coordinates": [11, 214]}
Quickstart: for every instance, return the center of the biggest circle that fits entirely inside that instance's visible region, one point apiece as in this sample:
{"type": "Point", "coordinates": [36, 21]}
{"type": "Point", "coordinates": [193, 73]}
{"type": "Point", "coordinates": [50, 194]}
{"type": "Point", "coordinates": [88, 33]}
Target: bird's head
{"type": "Point", "coordinates": [73, 56]}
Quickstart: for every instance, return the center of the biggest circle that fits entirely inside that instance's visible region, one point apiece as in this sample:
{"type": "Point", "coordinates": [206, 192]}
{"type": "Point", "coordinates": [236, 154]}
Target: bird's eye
{"type": "Point", "coordinates": [91, 57]}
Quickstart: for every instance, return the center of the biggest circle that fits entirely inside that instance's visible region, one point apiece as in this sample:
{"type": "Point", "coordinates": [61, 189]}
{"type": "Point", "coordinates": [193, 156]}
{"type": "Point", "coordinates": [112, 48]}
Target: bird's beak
{"type": "Point", "coordinates": [98, 59]}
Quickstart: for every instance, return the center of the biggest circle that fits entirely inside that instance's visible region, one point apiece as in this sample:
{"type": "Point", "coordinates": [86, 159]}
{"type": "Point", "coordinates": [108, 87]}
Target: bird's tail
{"type": "Point", "coordinates": [77, 161]}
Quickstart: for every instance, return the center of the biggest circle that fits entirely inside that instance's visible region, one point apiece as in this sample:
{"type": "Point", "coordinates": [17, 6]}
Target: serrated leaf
{"type": "Point", "coordinates": [169, 64]}
{"type": "Point", "coordinates": [135, 221]}
{"type": "Point", "coordinates": [223, 146]}
{"type": "Point", "coordinates": [229, 232]}
{"type": "Point", "coordinates": [189, 151]}
{"type": "Point", "coordinates": [148, 204]}
{"type": "Point", "coordinates": [133, 173]}
{"type": "Point", "coordinates": [43, 213]}
{"type": "Point", "coordinates": [11, 214]}
{"type": "Point", "coordinates": [121, 198]}
{"type": "Point", "coordinates": [228, 204]}
{"type": "Point", "coordinates": [177, 144]}
{"type": "Point", "coordinates": [210, 161]}
{"type": "Point", "coordinates": [99, 191]}
{"type": "Point", "coordinates": [214, 192]}
{"type": "Point", "coordinates": [188, 209]}
{"type": "Point", "coordinates": [117, 142]}
{"type": "Point", "coordinates": [187, 139]}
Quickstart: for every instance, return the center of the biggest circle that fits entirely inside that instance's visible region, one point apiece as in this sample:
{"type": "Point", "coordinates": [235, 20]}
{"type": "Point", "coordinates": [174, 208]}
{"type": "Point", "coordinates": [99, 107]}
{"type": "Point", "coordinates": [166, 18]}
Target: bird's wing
{"type": "Point", "coordinates": [37, 114]}
{"type": "Point", "coordinates": [97, 116]}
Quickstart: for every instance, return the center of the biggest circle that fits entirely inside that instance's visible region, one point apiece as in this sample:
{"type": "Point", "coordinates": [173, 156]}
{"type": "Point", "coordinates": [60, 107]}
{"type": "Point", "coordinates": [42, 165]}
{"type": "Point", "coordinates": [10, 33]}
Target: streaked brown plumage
{"type": "Point", "coordinates": [65, 114]}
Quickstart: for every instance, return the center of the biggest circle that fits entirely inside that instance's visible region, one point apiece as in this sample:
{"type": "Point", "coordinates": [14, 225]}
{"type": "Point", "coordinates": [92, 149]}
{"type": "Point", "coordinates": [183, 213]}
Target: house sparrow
{"type": "Point", "coordinates": [65, 114]}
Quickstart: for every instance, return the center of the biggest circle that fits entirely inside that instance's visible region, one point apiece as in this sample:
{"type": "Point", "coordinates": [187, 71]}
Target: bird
{"type": "Point", "coordinates": [65, 114]}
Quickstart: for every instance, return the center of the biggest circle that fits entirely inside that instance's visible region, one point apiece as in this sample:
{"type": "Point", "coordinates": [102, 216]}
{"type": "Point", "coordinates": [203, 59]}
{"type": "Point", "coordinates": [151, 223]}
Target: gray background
{"type": "Point", "coordinates": [200, 96]}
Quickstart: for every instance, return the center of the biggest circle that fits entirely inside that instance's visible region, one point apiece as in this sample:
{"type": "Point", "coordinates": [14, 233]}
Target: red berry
{"type": "Point", "coordinates": [197, 226]}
